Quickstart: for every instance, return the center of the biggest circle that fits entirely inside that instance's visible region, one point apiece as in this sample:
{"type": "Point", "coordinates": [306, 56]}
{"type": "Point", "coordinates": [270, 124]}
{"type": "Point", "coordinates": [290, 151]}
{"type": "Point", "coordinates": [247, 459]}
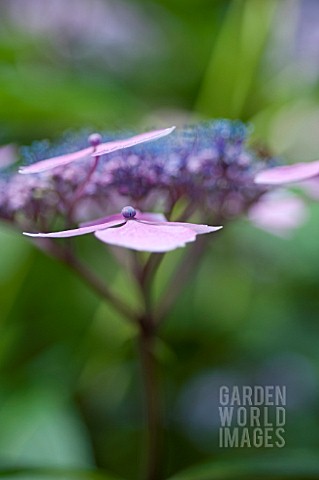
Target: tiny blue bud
{"type": "Point", "coordinates": [95, 139]}
{"type": "Point", "coordinates": [128, 212]}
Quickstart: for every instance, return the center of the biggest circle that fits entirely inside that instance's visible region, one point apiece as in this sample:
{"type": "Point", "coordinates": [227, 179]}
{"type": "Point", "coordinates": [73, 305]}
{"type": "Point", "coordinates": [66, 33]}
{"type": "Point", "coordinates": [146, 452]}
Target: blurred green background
{"type": "Point", "coordinates": [70, 385]}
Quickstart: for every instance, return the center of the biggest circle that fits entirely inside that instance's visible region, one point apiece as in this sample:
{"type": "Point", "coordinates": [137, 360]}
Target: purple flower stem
{"type": "Point", "coordinates": [81, 187]}
{"type": "Point", "coordinates": [147, 338]}
{"type": "Point", "coordinates": [152, 446]}
{"type": "Point", "coordinates": [153, 441]}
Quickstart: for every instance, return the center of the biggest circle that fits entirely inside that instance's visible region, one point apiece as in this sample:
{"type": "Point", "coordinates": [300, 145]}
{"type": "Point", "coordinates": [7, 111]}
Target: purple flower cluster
{"type": "Point", "coordinates": [209, 166]}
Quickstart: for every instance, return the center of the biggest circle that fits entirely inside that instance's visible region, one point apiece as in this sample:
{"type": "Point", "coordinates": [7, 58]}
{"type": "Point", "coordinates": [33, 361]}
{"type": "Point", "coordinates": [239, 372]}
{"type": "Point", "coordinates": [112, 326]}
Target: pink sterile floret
{"type": "Point", "coordinates": [96, 149]}
{"type": "Point", "coordinates": [138, 231]}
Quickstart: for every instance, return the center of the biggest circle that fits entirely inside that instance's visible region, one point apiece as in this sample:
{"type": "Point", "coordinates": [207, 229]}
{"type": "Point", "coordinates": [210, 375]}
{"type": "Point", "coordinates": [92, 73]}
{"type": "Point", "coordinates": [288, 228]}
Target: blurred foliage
{"type": "Point", "coordinates": [70, 385]}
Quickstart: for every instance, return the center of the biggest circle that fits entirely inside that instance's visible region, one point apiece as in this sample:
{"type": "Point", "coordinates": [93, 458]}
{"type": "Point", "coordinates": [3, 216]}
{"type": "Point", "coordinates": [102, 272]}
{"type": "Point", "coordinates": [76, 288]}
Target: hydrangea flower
{"type": "Point", "coordinates": [96, 149]}
{"type": "Point", "coordinates": [279, 213]}
{"type": "Point", "coordinates": [208, 168]}
{"type": "Point", "coordinates": [139, 231]}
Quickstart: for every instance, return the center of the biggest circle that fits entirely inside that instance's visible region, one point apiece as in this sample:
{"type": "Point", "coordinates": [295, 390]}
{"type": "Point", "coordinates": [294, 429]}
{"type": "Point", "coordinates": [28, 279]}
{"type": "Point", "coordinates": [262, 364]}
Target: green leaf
{"type": "Point", "coordinates": [39, 426]}
{"type": "Point", "coordinates": [236, 58]}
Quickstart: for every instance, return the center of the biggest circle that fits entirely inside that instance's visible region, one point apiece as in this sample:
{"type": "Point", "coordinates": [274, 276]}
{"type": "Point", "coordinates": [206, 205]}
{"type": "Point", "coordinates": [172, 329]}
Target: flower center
{"type": "Point", "coordinates": [95, 139]}
{"type": "Point", "coordinates": [128, 212]}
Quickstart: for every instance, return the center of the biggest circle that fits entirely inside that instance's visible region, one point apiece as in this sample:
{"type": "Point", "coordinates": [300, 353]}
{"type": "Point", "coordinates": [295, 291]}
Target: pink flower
{"type": "Point", "coordinates": [288, 174]}
{"type": "Point", "coordinates": [96, 149]}
{"type": "Point", "coordinates": [279, 213]}
{"type": "Point", "coordinates": [148, 232]}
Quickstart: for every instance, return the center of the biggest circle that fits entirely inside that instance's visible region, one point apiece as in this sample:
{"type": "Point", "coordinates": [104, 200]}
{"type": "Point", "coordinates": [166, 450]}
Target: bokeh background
{"type": "Point", "coordinates": [69, 378]}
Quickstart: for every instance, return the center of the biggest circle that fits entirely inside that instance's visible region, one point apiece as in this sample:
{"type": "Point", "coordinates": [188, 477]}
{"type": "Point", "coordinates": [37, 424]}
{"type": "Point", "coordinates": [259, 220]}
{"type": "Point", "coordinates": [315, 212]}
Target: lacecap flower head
{"type": "Point", "coordinates": [149, 232]}
{"type": "Point", "coordinates": [209, 166]}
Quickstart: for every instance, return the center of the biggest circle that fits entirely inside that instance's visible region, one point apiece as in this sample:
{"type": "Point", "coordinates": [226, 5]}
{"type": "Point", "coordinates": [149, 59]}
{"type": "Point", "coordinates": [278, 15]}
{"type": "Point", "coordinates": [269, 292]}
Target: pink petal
{"type": "Point", "coordinates": [99, 221]}
{"type": "Point", "coordinates": [195, 227]}
{"type": "Point", "coordinates": [288, 174]}
{"type": "Point", "coordinates": [56, 161]}
{"type": "Point", "coordinates": [311, 187]}
{"type": "Point", "coordinates": [78, 231]}
{"type": "Point", "coordinates": [279, 214]}
{"type": "Point", "coordinates": [129, 142]}
{"type": "Point", "coordinates": [148, 237]}
{"type": "Point", "coordinates": [198, 228]}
